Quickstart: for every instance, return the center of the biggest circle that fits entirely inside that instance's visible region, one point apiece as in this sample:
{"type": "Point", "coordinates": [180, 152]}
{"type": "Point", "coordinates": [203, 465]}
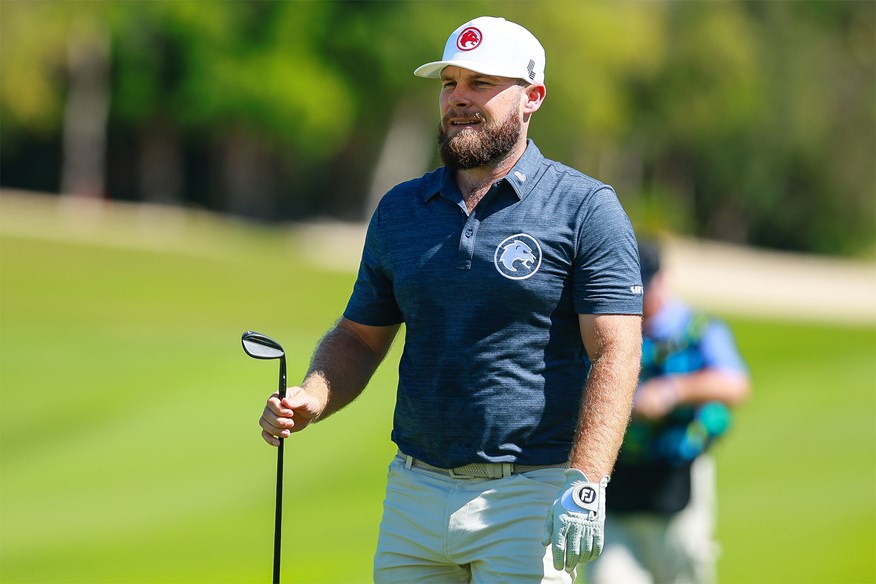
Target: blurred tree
{"type": "Point", "coordinates": [243, 76]}
{"type": "Point", "coordinates": [34, 43]}
{"type": "Point", "coordinates": [759, 126]}
{"type": "Point", "coordinates": [86, 109]}
{"type": "Point", "coordinates": [705, 94]}
{"type": "Point", "coordinates": [813, 184]}
{"type": "Point", "coordinates": [55, 79]}
{"type": "Point", "coordinates": [749, 122]}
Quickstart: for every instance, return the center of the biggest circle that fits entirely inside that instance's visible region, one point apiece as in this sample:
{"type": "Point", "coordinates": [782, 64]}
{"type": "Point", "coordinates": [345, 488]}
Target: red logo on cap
{"type": "Point", "coordinates": [468, 39]}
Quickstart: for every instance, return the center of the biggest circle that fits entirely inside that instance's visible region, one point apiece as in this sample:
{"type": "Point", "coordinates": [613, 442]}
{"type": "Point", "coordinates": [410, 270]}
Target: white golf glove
{"type": "Point", "coordinates": [576, 521]}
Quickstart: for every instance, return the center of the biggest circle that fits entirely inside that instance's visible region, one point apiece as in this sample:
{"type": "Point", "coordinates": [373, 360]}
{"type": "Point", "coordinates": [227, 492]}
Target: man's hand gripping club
{"type": "Point", "coordinates": [576, 521]}
{"type": "Point", "coordinates": [294, 413]}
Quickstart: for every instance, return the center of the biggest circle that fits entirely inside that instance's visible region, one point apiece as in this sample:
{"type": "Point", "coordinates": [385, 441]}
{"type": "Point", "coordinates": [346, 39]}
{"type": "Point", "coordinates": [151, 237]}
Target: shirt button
{"type": "Point", "coordinates": [468, 232]}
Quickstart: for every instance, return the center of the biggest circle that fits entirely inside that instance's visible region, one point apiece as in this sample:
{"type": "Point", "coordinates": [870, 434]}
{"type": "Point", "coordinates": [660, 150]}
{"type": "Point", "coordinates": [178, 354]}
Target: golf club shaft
{"type": "Point", "coordinates": [278, 516]}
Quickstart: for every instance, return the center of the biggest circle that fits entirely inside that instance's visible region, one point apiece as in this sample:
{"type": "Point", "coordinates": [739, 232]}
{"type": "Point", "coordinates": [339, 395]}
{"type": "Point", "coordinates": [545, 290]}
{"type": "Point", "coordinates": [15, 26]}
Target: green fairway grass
{"type": "Point", "coordinates": [797, 476]}
{"type": "Point", "coordinates": [130, 450]}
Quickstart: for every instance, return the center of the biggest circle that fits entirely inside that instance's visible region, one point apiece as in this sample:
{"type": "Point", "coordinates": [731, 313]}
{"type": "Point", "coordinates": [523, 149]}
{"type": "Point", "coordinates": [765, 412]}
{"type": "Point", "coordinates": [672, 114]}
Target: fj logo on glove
{"type": "Point", "coordinates": [584, 496]}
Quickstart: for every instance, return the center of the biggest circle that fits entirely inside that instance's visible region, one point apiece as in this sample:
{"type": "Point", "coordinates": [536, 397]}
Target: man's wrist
{"type": "Point", "coordinates": [317, 386]}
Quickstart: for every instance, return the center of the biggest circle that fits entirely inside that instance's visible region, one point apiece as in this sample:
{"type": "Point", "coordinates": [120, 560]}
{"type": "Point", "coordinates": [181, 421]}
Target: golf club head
{"type": "Point", "coordinates": [261, 346]}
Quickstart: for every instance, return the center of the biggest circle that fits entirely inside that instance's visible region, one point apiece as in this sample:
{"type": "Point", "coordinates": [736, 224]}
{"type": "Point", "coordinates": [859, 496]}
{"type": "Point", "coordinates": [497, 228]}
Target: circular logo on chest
{"type": "Point", "coordinates": [518, 257]}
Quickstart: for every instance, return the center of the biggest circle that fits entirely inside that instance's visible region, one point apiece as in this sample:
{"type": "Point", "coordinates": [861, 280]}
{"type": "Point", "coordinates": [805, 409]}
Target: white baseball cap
{"type": "Point", "coordinates": [492, 46]}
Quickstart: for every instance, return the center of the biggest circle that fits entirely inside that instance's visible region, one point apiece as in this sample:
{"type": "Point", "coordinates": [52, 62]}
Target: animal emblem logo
{"type": "Point", "coordinates": [518, 257]}
{"type": "Point", "coordinates": [514, 252]}
{"type": "Point", "coordinates": [469, 39]}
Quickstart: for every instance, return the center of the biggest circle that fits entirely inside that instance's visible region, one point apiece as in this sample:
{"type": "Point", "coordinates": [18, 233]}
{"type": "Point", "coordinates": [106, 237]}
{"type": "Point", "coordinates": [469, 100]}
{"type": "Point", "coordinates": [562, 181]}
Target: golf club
{"type": "Point", "coordinates": [260, 346]}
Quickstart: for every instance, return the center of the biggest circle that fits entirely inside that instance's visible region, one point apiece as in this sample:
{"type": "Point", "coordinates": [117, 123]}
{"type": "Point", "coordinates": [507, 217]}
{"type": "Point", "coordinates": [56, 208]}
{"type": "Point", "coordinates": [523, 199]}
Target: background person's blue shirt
{"type": "Point", "coordinates": [494, 366]}
{"type": "Point", "coordinates": [715, 348]}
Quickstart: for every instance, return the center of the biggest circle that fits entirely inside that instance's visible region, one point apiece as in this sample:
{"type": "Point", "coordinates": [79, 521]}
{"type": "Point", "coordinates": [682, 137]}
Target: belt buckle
{"type": "Point", "coordinates": [453, 474]}
{"type": "Point", "coordinates": [459, 472]}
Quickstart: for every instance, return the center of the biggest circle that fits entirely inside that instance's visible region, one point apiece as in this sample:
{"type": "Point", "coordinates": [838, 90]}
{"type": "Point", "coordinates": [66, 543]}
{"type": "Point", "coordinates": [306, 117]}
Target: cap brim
{"type": "Point", "coordinates": [433, 70]}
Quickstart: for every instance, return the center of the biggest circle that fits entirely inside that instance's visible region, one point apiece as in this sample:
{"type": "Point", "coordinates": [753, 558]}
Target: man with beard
{"type": "Point", "coordinates": [517, 280]}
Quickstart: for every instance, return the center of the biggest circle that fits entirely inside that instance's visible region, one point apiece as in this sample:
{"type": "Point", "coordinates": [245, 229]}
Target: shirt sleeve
{"type": "Point", "coordinates": [606, 278]}
{"type": "Point", "coordinates": [719, 349]}
{"type": "Point", "coordinates": [373, 301]}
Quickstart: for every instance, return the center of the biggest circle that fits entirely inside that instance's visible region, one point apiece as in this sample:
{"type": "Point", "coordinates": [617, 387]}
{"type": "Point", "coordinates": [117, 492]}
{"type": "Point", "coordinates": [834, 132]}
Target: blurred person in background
{"type": "Point", "coordinates": [517, 280]}
{"type": "Point", "coordinates": [662, 513]}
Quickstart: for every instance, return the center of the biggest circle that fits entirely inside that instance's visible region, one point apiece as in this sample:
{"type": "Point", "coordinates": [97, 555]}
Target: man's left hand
{"type": "Point", "coordinates": [576, 521]}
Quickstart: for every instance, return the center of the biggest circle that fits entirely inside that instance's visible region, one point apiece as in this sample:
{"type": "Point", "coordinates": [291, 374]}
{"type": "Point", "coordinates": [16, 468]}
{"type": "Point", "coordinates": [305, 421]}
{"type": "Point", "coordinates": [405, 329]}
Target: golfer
{"type": "Point", "coordinates": [517, 279]}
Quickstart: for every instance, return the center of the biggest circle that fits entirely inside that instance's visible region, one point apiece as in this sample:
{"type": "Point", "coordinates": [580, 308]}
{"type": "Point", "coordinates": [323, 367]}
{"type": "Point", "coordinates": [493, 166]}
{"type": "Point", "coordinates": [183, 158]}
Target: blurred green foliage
{"type": "Point", "coordinates": [128, 417]}
{"type": "Point", "coordinates": [741, 121]}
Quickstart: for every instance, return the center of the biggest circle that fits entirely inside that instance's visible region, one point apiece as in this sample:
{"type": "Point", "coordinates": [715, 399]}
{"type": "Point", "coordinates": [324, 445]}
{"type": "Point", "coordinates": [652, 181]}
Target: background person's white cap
{"type": "Point", "coordinates": [492, 46]}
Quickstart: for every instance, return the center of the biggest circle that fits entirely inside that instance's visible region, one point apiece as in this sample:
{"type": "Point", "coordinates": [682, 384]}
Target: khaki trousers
{"type": "Point", "coordinates": [441, 529]}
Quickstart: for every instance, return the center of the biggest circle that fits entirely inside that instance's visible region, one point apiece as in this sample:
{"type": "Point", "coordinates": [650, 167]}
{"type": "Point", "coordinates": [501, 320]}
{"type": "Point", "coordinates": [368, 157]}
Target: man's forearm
{"type": "Point", "coordinates": [340, 368]}
{"type": "Point", "coordinates": [607, 402]}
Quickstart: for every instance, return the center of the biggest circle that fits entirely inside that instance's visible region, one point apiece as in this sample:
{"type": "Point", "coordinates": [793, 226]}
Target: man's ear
{"type": "Point", "coordinates": [535, 95]}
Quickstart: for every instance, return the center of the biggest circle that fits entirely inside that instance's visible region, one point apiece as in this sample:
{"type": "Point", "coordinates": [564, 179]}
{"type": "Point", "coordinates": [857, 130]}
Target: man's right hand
{"type": "Point", "coordinates": [294, 413]}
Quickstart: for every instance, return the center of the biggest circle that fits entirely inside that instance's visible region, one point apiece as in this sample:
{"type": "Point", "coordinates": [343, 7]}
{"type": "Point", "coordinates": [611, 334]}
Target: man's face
{"type": "Point", "coordinates": [481, 119]}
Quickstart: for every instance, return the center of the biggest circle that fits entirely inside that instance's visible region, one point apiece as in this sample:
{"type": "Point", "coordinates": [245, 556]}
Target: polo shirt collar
{"type": "Point", "coordinates": [521, 177]}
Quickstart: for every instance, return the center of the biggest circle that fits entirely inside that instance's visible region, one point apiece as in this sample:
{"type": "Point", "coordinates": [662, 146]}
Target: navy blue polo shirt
{"type": "Point", "coordinates": [494, 367]}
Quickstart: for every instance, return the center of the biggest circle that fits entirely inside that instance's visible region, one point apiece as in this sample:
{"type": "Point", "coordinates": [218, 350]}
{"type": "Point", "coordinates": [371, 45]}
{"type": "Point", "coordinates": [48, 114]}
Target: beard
{"type": "Point", "coordinates": [472, 148]}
